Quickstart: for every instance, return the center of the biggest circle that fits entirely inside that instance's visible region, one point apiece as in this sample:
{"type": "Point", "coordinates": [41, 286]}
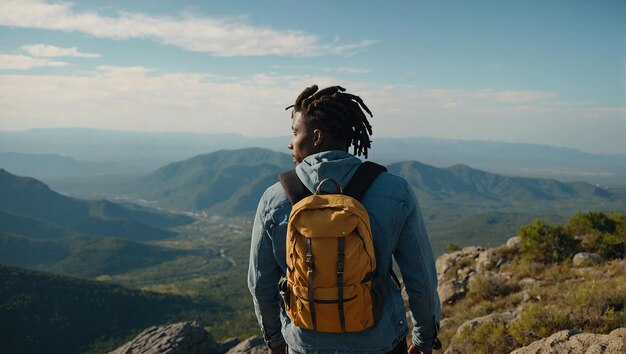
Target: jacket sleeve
{"type": "Point", "coordinates": [415, 258]}
{"type": "Point", "coordinates": [263, 276]}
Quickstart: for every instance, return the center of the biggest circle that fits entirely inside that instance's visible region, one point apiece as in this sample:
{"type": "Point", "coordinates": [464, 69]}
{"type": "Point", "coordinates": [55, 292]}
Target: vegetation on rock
{"type": "Point", "coordinates": [514, 296]}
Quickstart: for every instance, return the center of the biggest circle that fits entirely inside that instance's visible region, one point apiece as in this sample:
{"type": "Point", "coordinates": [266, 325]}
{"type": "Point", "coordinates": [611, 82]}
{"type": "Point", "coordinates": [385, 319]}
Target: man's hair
{"type": "Point", "coordinates": [337, 113]}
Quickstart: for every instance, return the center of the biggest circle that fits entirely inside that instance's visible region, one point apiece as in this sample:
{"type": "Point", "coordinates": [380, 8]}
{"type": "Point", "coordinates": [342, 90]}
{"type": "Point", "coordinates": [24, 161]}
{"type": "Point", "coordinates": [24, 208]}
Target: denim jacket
{"type": "Point", "coordinates": [397, 229]}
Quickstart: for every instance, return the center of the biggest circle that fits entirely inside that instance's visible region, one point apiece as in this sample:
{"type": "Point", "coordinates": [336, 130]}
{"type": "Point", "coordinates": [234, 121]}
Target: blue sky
{"type": "Point", "coordinates": [547, 72]}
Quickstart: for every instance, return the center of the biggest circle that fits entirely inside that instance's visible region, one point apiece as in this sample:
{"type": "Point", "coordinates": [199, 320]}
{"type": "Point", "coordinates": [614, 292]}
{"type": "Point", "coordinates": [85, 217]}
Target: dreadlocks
{"type": "Point", "coordinates": [338, 113]}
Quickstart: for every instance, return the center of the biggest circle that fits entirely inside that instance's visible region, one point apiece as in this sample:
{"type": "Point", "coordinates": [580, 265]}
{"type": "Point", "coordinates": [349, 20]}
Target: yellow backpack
{"type": "Point", "coordinates": [331, 283]}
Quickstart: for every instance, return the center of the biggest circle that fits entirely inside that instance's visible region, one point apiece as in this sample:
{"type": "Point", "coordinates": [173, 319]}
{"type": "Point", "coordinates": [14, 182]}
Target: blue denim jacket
{"type": "Point", "coordinates": [398, 230]}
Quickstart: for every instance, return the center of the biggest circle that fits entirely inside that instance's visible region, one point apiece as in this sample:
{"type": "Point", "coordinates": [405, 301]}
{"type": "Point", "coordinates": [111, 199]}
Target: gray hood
{"type": "Point", "coordinates": [335, 164]}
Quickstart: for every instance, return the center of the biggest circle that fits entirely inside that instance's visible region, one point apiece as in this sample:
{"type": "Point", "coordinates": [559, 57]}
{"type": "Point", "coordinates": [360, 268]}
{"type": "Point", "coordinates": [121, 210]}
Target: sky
{"type": "Point", "coordinates": [541, 72]}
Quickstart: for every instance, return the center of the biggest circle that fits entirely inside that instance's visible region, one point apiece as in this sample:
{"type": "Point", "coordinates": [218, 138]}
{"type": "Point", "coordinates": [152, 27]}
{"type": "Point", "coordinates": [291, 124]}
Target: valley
{"type": "Point", "coordinates": [183, 230]}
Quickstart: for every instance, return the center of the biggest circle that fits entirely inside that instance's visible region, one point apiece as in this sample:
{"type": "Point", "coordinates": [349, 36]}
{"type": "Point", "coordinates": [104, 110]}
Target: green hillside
{"type": "Point", "coordinates": [466, 184]}
{"type": "Point", "coordinates": [32, 199]}
{"type": "Point", "coordinates": [227, 181]}
{"type": "Point", "coordinates": [83, 256]}
{"type": "Point", "coordinates": [40, 312]}
{"type": "Point", "coordinates": [32, 228]}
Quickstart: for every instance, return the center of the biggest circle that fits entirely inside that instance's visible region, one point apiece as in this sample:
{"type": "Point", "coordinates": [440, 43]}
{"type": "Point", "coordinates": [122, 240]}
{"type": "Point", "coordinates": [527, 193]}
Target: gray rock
{"type": "Point", "coordinates": [569, 341]}
{"type": "Point", "coordinates": [486, 260]}
{"type": "Point", "coordinates": [502, 317]}
{"type": "Point", "coordinates": [586, 259]}
{"type": "Point", "coordinates": [252, 345]}
{"type": "Point", "coordinates": [177, 338]}
{"type": "Point", "coordinates": [228, 344]}
{"type": "Point", "coordinates": [513, 242]}
{"type": "Point", "coordinates": [451, 290]}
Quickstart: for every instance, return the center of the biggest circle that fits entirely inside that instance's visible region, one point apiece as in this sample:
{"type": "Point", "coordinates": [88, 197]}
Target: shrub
{"type": "Point", "coordinates": [538, 321]}
{"type": "Point", "coordinates": [488, 337]}
{"type": "Point", "coordinates": [545, 243]}
{"type": "Point", "coordinates": [453, 247]}
{"type": "Point", "coordinates": [599, 233]}
{"type": "Point", "coordinates": [488, 287]}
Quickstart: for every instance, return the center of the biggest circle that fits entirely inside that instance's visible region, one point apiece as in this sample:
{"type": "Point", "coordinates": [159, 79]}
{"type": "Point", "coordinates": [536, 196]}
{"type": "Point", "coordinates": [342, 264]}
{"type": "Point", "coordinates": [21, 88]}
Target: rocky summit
{"type": "Point", "coordinates": [494, 300]}
{"type": "Point", "coordinates": [187, 338]}
{"type": "Point", "coordinates": [569, 342]}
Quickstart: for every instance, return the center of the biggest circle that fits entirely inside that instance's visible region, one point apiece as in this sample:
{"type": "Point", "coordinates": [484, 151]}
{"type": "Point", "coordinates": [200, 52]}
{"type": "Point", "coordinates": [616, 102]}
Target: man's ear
{"type": "Point", "coordinates": [318, 137]}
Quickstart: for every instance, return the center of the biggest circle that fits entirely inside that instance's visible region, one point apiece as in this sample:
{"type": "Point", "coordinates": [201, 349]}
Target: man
{"type": "Point", "coordinates": [325, 125]}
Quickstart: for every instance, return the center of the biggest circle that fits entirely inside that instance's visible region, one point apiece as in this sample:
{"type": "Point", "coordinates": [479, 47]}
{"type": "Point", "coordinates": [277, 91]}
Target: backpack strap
{"type": "Point", "coordinates": [356, 188]}
{"type": "Point", "coordinates": [293, 186]}
{"type": "Point", "coordinates": [362, 179]}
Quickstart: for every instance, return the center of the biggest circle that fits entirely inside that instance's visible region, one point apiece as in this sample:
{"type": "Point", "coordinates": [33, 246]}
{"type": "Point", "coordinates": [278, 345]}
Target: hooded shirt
{"type": "Point", "coordinates": [398, 232]}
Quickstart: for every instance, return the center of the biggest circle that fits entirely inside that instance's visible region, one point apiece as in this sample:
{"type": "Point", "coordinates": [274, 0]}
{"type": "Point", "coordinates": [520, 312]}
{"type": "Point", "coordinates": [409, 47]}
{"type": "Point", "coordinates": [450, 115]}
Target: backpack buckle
{"type": "Point", "coordinates": [340, 268]}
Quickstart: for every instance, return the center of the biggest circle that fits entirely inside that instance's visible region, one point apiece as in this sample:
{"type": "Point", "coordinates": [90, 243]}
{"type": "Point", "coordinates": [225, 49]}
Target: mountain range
{"type": "Point", "coordinates": [219, 181]}
{"type": "Point", "coordinates": [30, 207]}
{"type": "Point", "coordinates": [104, 155]}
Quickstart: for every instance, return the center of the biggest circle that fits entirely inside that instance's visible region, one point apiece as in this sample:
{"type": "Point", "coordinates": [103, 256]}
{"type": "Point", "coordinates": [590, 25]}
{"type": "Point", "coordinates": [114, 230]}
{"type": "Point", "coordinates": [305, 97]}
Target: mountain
{"type": "Point", "coordinates": [40, 311]}
{"type": "Point", "coordinates": [227, 181]}
{"type": "Point", "coordinates": [232, 181]}
{"type": "Point", "coordinates": [32, 199]}
{"type": "Point", "coordinates": [47, 165]}
{"type": "Point", "coordinates": [138, 153]}
{"type": "Point", "coordinates": [466, 184]}
{"type": "Point", "coordinates": [82, 256]}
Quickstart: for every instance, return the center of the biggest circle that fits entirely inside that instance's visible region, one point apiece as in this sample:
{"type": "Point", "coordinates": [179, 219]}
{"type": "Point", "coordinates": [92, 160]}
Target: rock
{"type": "Point", "coordinates": [451, 290]}
{"type": "Point", "coordinates": [502, 317]}
{"type": "Point", "coordinates": [443, 263]}
{"type": "Point", "coordinates": [228, 344]}
{"type": "Point", "coordinates": [448, 260]}
{"type": "Point", "coordinates": [570, 341]}
{"type": "Point", "coordinates": [177, 338]}
{"type": "Point", "coordinates": [586, 259]}
{"type": "Point", "coordinates": [252, 345]}
{"type": "Point", "coordinates": [513, 242]}
{"type": "Point", "coordinates": [486, 260]}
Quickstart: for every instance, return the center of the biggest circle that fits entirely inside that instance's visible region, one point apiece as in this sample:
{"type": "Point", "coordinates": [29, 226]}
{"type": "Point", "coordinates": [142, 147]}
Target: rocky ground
{"type": "Point", "coordinates": [486, 295]}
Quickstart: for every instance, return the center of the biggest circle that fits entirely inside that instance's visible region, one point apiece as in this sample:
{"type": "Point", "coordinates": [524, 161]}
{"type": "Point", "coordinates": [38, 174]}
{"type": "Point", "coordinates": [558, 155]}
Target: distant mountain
{"type": "Point", "coordinates": [43, 165]}
{"type": "Point", "coordinates": [463, 183]}
{"type": "Point", "coordinates": [82, 256]}
{"type": "Point", "coordinates": [32, 199]}
{"type": "Point", "coordinates": [40, 311]}
{"type": "Point", "coordinates": [228, 181]}
{"type": "Point", "coordinates": [138, 153]}
{"type": "Point", "coordinates": [233, 181]}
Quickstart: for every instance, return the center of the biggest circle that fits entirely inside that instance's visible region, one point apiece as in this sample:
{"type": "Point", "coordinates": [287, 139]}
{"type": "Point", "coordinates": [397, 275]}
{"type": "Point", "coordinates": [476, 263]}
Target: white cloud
{"type": "Point", "coordinates": [348, 70]}
{"type": "Point", "coordinates": [23, 62]}
{"type": "Point", "coordinates": [138, 98]}
{"type": "Point", "coordinates": [44, 50]}
{"type": "Point", "coordinates": [232, 36]}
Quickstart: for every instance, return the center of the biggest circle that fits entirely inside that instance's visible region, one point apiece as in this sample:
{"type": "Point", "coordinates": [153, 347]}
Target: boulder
{"type": "Point", "coordinates": [586, 259]}
{"type": "Point", "coordinates": [451, 290]}
{"type": "Point", "coordinates": [252, 345]}
{"type": "Point", "coordinates": [228, 344]}
{"type": "Point", "coordinates": [513, 242]}
{"type": "Point", "coordinates": [486, 260]}
{"type": "Point", "coordinates": [177, 338]}
{"type": "Point", "coordinates": [448, 260]}
{"type": "Point", "coordinates": [502, 317]}
{"type": "Point", "coordinates": [570, 341]}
